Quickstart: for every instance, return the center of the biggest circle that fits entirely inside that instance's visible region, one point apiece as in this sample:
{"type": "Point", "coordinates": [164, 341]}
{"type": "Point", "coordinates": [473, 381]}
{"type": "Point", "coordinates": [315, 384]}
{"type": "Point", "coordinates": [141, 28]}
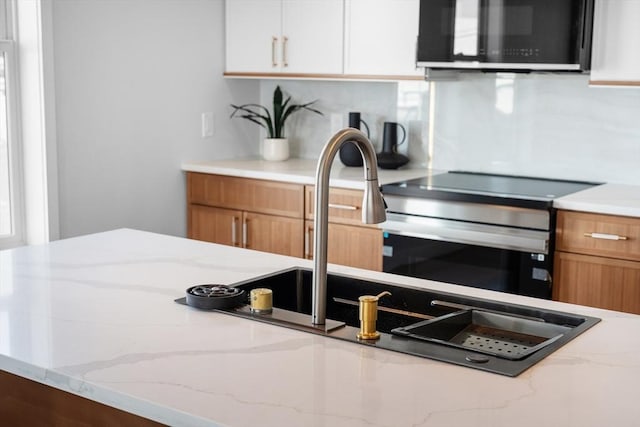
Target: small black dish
{"type": "Point", "coordinates": [211, 297]}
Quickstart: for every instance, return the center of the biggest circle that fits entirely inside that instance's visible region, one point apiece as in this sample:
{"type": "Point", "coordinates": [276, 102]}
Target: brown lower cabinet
{"type": "Point", "coordinates": [597, 261]}
{"type": "Point", "coordinates": [348, 245]}
{"type": "Point", "coordinates": [607, 283]}
{"type": "Point", "coordinates": [267, 233]}
{"type": "Point", "coordinates": [28, 403]}
{"type": "Point", "coordinates": [277, 217]}
{"type": "Point", "coordinates": [254, 214]}
{"type": "Point", "coordinates": [350, 242]}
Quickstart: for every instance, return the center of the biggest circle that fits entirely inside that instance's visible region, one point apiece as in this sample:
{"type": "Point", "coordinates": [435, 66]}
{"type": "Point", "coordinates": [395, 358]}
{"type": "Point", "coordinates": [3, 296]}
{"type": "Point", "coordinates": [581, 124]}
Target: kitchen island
{"type": "Point", "coordinates": [95, 316]}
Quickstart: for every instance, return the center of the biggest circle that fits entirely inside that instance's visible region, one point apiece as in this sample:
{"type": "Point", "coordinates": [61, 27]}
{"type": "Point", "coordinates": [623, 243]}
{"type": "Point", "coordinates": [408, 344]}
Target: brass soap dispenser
{"type": "Point", "coordinates": [369, 315]}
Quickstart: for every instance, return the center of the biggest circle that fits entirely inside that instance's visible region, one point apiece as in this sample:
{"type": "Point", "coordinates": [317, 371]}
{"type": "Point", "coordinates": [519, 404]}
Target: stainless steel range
{"type": "Point", "coordinates": [487, 231]}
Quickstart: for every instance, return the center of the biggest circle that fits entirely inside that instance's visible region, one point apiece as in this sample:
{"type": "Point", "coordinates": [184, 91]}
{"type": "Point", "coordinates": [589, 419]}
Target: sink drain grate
{"type": "Point", "coordinates": [496, 341]}
{"type": "Point", "coordinates": [213, 296]}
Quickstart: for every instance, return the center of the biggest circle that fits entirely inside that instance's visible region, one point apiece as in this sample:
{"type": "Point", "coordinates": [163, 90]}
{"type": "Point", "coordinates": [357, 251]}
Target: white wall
{"type": "Point", "coordinates": [540, 125]}
{"type": "Point", "coordinates": [132, 78]}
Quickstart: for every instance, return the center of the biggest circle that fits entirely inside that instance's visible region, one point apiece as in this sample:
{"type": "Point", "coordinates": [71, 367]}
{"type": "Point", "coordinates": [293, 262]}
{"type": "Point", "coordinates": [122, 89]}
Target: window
{"type": "Point", "coordinates": [11, 224]}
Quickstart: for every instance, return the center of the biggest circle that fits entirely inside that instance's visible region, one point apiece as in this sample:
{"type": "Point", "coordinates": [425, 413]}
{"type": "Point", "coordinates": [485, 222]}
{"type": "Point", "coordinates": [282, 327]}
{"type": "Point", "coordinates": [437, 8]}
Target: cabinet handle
{"type": "Point", "coordinates": [233, 231]}
{"type": "Point", "coordinates": [308, 237]}
{"type": "Point", "coordinates": [285, 60]}
{"type": "Point", "coordinates": [605, 236]}
{"type": "Point", "coordinates": [245, 234]}
{"type": "Point", "coordinates": [343, 207]}
{"type": "Point", "coordinates": [274, 43]}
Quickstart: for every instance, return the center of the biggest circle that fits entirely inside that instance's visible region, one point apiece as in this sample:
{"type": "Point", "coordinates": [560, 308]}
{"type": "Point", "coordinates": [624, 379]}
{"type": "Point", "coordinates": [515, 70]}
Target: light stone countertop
{"type": "Point", "coordinates": [95, 316]}
{"type": "Point", "coordinates": [301, 171]}
{"type": "Point", "coordinates": [614, 199]}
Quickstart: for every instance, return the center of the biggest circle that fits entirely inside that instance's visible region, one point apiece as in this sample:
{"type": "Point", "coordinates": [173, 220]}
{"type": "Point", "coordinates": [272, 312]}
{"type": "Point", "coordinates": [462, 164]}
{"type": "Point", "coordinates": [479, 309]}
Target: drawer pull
{"type": "Point", "coordinates": [274, 61]}
{"type": "Point", "coordinates": [605, 236]}
{"type": "Point", "coordinates": [285, 59]}
{"type": "Point", "coordinates": [308, 237]}
{"type": "Point", "coordinates": [245, 234]}
{"type": "Point", "coordinates": [343, 207]}
{"type": "Point", "coordinates": [233, 231]}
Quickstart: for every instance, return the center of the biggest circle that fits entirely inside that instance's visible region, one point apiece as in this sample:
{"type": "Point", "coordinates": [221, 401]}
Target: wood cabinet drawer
{"type": "Point", "coordinates": [268, 197]}
{"type": "Point", "coordinates": [345, 206]}
{"type": "Point", "coordinates": [596, 234]}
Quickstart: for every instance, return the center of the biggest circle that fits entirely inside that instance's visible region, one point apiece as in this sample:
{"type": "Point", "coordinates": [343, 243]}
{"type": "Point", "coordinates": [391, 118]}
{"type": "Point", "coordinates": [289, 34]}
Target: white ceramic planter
{"type": "Point", "coordinates": [275, 149]}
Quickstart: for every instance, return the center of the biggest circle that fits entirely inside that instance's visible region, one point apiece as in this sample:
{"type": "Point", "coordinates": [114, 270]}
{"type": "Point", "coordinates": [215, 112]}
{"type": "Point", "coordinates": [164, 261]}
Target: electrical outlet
{"type": "Point", "coordinates": [207, 124]}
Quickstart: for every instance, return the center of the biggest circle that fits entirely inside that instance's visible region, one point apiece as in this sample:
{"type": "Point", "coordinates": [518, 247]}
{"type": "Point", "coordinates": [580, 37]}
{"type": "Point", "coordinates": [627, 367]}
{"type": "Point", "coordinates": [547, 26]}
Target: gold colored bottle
{"type": "Point", "coordinates": [369, 316]}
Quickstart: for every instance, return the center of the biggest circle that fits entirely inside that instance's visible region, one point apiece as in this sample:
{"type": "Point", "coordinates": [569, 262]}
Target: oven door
{"type": "Point", "coordinates": [505, 34]}
{"type": "Point", "coordinates": [448, 254]}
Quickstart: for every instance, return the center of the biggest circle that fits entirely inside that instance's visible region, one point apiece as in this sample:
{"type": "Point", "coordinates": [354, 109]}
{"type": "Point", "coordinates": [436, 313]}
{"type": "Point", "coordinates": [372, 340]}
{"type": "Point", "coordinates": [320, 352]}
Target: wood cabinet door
{"type": "Point", "coordinates": [381, 37]}
{"type": "Point", "coordinates": [215, 225]}
{"type": "Point", "coordinates": [597, 282]}
{"type": "Point", "coordinates": [312, 32]}
{"type": "Point", "coordinates": [273, 234]}
{"type": "Point", "coordinates": [253, 36]}
{"type": "Point", "coordinates": [616, 37]}
{"type": "Point", "coordinates": [359, 247]}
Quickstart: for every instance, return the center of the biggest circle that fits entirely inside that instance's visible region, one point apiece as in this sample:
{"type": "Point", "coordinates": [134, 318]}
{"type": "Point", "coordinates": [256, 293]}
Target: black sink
{"type": "Point", "coordinates": [417, 321]}
{"type": "Point", "coordinates": [292, 292]}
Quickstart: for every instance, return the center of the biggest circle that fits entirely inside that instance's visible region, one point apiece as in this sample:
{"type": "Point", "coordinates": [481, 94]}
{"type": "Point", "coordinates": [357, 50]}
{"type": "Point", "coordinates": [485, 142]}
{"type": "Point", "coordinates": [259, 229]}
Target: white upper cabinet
{"type": "Point", "coordinates": [284, 36]}
{"type": "Point", "coordinates": [616, 43]}
{"type": "Point", "coordinates": [314, 29]}
{"type": "Point", "coordinates": [381, 37]}
{"type": "Point", "coordinates": [253, 31]}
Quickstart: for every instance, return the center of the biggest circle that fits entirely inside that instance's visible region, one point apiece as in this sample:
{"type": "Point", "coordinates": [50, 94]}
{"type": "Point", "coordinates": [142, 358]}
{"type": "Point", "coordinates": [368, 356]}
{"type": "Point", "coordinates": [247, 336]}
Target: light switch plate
{"type": "Point", "coordinates": [207, 124]}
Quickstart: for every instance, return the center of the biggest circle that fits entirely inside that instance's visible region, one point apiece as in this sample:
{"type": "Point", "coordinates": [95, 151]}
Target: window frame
{"type": "Point", "coordinates": [15, 156]}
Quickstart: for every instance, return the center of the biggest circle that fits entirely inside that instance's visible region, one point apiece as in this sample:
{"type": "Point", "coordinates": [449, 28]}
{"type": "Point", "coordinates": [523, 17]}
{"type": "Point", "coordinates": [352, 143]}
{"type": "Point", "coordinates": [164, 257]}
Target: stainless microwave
{"type": "Point", "coordinates": [505, 35]}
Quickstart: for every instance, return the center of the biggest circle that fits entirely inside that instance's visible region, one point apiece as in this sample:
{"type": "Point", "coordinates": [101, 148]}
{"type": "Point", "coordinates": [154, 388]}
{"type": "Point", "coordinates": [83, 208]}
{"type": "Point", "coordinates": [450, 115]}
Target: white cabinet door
{"type": "Point", "coordinates": [284, 36]}
{"type": "Point", "coordinates": [381, 37]}
{"type": "Point", "coordinates": [616, 43]}
{"type": "Point", "coordinates": [313, 32]}
{"type": "Point", "coordinates": [253, 35]}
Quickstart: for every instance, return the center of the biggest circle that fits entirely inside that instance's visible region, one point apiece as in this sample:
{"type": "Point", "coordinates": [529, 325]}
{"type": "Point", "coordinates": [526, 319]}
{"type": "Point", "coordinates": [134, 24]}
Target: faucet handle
{"type": "Point", "coordinates": [369, 315]}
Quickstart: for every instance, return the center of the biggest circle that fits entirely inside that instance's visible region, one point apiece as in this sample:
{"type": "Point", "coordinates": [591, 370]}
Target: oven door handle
{"type": "Point", "coordinates": [467, 233]}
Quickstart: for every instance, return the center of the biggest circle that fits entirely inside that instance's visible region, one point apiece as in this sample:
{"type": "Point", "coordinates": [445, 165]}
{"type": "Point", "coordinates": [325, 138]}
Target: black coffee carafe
{"type": "Point", "coordinates": [389, 158]}
{"type": "Point", "coordinates": [349, 153]}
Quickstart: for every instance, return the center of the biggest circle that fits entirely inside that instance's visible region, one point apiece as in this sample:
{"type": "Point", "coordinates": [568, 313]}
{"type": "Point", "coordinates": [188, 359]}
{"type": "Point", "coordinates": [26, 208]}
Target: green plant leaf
{"type": "Point", "coordinates": [278, 108]}
{"type": "Point", "coordinates": [282, 109]}
{"type": "Point", "coordinates": [296, 107]}
{"type": "Point", "coordinates": [283, 117]}
{"type": "Point", "coordinates": [255, 113]}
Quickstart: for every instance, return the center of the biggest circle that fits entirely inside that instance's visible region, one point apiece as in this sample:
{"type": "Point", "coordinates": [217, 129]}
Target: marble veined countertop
{"type": "Point", "coordinates": [614, 199]}
{"type": "Point", "coordinates": [94, 315]}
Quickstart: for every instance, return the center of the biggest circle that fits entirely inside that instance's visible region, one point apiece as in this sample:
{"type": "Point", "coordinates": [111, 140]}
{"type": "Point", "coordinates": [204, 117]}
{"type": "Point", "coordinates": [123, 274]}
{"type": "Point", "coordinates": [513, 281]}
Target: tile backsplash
{"type": "Point", "coordinates": [545, 125]}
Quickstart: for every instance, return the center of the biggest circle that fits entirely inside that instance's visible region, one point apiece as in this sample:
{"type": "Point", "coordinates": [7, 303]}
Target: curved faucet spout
{"type": "Point", "coordinates": [373, 209]}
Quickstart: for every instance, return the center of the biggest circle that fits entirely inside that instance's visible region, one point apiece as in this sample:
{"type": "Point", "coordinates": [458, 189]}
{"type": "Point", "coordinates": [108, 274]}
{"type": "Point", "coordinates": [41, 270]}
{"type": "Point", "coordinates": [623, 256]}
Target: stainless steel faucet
{"type": "Point", "coordinates": [373, 209]}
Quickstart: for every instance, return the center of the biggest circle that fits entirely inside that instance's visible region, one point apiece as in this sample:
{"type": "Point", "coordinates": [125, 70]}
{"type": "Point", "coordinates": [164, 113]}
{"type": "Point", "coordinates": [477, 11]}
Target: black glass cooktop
{"type": "Point", "coordinates": [488, 188]}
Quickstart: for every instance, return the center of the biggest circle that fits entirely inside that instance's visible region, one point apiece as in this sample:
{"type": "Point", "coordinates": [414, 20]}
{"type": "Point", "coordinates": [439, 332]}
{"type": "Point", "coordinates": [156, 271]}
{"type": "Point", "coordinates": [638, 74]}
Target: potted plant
{"type": "Point", "coordinates": [276, 145]}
